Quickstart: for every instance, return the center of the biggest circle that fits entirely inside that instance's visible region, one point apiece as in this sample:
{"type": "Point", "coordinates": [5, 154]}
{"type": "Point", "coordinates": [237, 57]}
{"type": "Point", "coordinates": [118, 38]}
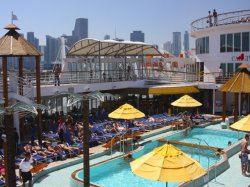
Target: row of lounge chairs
{"type": "Point", "coordinates": [53, 152]}
{"type": "Point", "coordinates": [100, 134]}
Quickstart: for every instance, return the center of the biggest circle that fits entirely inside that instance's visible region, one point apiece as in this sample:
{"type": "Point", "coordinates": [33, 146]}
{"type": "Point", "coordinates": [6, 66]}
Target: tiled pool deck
{"type": "Point", "coordinates": [232, 177]}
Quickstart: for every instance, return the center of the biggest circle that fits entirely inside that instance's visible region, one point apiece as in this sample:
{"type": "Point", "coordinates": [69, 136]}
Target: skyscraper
{"type": "Point", "coordinates": [137, 36]}
{"type": "Point", "coordinates": [176, 43]}
{"type": "Point", "coordinates": [186, 43]}
{"type": "Point", "coordinates": [32, 39]}
{"type": "Point", "coordinates": [81, 29]}
{"type": "Point", "coordinates": [51, 50]}
{"type": "Point", "coordinates": [167, 46]}
{"type": "Point", "coordinates": [29, 62]}
{"type": "Point", "coordinates": [107, 37]}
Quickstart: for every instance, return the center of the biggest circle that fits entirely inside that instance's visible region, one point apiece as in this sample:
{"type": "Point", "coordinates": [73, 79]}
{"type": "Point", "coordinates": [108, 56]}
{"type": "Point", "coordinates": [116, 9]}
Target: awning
{"type": "Point", "coordinates": [173, 90]}
{"type": "Point", "coordinates": [157, 90]}
{"type": "Point", "coordinates": [93, 47]}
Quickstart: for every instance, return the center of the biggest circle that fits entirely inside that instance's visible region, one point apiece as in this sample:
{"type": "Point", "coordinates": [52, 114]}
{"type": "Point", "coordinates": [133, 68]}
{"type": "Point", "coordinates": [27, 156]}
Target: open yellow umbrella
{"type": "Point", "coordinates": [243, 124]}
{"type": "Point", "coordinates": [126, 111]}
{"type": "Point", "coordinates": [186, 101]}
{"type": "Point", "coordinates": [168, 164]}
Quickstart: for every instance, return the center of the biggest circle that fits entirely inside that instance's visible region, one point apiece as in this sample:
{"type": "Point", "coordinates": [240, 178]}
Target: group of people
{"type": "Point", "coordinates": [210, 16]}
{"type": "Point", "coordinates": [46, 149]}
{"type": "Point", "coordinates": [67, 129]}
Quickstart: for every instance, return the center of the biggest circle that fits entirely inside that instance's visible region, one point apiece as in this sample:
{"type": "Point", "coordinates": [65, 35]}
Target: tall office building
{"type": "Point", "coordinates": [167, 46]}
{"type": "Point", "coordinates": [32, 39]}
{"type": "Point", "coordinates": [51, 50]}
{"type": "Point", "coordinates": [176, 43]}
{"type": "Point", "coordinates": [186, 43]}
{"type": "Point", "coordinates": [29, 62]}
{"type": "Point", "coordinates": [81, 29]}
{"type": "Point", "coordinates": [137, 36]}
{"type": "Point", "coordinates": [107, 37]}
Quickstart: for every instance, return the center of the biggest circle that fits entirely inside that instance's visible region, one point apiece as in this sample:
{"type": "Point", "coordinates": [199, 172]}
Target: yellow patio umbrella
{"type": "Point", "coordinates": [243, 124]}
{"type": "Point", "coordinates": [168, 164]}
{"type": "Point", "coordinates": [126, 111]}
{"type": "Point", "coordinates": [186, 101]}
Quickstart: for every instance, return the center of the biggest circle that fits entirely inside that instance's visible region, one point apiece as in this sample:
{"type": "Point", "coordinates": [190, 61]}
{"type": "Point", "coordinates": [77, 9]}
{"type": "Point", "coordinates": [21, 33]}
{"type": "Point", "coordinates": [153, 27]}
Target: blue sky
{"type": "Point", "coordinates": [156, 18]}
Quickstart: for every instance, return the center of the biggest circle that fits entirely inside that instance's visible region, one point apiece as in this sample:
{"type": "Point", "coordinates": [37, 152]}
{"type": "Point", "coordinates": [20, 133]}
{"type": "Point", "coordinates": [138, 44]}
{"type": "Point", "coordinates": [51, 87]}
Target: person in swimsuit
{"type": "Point", "coordinates": [244, 155]}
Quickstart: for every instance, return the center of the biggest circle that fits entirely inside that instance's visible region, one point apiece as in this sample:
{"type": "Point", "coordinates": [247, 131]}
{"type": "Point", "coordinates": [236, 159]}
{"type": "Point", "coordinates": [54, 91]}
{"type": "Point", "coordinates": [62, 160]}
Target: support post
{"type": "Point", "coordinates": [9, 140]}
{"type": "Point", "coordinates": [224, 105]}
{"type": "Point", "coordinates": [38, 101]}
{"type": "Point", "coordinates": [20, 129]}
{"type": "Point", "coordinates": [86, 142]}
{"type": "Point", "coordinates": [236, 106]}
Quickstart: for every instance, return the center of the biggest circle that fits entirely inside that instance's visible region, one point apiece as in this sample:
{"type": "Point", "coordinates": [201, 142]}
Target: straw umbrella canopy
{"type": "Point", "coordinates": [239, 83]}
{"type": "Point", "coordinates": [126, 111]}
{"type": "Point", "coordinates": [243, 124]}
{"type": "Point", "coordinates": [186, 101]}
{"type": "Point", "coordinates": [168, 164]}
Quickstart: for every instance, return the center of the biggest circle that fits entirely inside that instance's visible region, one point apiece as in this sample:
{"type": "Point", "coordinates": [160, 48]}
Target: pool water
{"type": "Point", "coordinates": [117, 173]}
{"type": "Point", "coordinates": [208, 137]}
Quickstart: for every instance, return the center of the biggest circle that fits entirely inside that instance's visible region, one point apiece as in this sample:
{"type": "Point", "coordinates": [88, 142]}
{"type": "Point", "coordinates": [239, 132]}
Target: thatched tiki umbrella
{"type": "Point", "coordinates": [238, 84]}
{"type": "Point", "coordinates": [12, 44]}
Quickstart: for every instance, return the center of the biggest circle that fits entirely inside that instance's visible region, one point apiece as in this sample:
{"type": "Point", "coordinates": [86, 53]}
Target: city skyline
{"type": "Point", "coordinates": [157, 19]}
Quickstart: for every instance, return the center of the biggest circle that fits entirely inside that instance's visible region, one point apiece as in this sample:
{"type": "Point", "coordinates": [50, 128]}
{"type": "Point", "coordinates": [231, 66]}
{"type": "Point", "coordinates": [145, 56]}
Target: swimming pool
{"type": "Point", "coordinates": [118, 173]}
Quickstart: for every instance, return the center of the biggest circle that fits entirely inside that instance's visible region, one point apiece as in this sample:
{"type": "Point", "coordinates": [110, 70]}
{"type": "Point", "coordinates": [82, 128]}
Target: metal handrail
{"type": "Point", "coordinates": [223, 19]}
{"type": "Point", "coordinates": [120, 136]}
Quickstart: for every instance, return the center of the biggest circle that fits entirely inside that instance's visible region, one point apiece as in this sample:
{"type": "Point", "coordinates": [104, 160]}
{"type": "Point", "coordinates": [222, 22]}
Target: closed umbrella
{"type": "Point", "coordinates": [168, 164]}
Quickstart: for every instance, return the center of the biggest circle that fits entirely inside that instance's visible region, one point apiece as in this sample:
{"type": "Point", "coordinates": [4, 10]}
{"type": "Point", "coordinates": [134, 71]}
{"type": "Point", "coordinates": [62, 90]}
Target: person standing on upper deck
{"type": "Point", "coordinates": [57, 71]}
{"type": "Point", "coordinates": [209, 21]}
{"type": "Point", "coordinates": [215, 17]}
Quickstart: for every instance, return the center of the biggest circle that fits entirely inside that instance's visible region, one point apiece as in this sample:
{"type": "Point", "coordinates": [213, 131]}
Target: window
{"type": "Point", "coordinates": [207, 45]}
{"type": "Point", "coordinates": [223, 43]}
{"type": "Point", "coordinates": [237, 42]}
{"type": "Point", "coordinates": [237, 69]}
{"type": "Point", "coordinates": [245, 41]}
{"type": "Point", "coordinates": [230, 69]}
{"type": "Point", "coordinates": [223, 68]}
{"type": "Point", "coordinates": [229, 42]}
{"type": "Point", "coordinates": [197, 46]}
{"type": "Point", "coordinates": [202, 45]}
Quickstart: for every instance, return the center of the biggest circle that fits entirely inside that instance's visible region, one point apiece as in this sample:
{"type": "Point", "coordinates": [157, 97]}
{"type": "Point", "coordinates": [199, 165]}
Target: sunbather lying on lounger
{"type": "Point", "coordinates": [67, 148]}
